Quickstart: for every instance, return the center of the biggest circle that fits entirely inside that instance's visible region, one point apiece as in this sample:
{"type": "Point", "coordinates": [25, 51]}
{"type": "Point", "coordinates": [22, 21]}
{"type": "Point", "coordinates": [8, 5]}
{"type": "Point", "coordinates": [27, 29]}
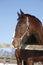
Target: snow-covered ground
{"type": "Point", "coordinates": [7, 64]}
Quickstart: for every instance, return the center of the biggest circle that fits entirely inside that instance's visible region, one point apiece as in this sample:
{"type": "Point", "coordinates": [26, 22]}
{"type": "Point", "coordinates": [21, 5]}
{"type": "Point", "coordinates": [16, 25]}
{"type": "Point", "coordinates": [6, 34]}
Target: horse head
{"type": "Point", "coordinates": [27, 25]}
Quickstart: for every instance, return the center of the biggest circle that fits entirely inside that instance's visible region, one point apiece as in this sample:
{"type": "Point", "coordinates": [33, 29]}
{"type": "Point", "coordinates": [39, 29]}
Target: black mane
{"type": "Point", "coordinates": [33, 17]}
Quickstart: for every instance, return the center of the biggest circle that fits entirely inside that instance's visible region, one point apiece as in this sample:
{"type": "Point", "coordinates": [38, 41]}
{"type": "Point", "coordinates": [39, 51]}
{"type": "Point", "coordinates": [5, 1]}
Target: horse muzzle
{"type": "Point", "coordinates": [15, 43]}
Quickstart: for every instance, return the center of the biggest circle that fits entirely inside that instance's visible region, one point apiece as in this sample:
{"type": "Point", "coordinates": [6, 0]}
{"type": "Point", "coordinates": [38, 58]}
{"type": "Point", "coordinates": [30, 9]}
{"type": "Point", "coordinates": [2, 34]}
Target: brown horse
{"type": "Point", "coordinates": [28, 26]}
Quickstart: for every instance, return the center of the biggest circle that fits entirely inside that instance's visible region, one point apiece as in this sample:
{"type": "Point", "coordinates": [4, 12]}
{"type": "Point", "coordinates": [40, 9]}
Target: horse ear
{"type": "Point", "coordinates": [18, 14]}
{"type": "Point", "coordinates": [22, 13]}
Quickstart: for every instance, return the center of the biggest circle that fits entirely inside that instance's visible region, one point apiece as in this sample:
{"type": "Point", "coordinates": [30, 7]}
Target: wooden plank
{"type": "Point", "coordinates": [8, 60]}
{"type": "Point", "coordinates": [32, 47]}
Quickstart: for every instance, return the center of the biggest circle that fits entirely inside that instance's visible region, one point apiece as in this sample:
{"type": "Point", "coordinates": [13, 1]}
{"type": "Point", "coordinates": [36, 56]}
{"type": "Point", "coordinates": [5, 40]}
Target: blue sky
{"type": "Point", "coordinates": [8, 15]}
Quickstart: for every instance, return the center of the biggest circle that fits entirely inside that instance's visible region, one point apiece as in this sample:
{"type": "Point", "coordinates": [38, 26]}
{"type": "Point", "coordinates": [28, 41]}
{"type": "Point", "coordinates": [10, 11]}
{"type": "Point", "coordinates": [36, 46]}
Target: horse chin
{"type": "Point", "coordinates": [16, 46]}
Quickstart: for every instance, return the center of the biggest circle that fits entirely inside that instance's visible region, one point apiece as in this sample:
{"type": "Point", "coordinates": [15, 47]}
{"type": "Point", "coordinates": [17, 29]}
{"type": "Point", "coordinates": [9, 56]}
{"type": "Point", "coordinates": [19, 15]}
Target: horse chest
{"type": "Point", "coordinates": [24, 54]}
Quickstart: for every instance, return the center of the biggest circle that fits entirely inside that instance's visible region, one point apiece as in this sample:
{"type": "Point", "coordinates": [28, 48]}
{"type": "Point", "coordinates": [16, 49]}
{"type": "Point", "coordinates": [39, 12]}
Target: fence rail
{"type": "Point", "coordinates": [34, 47]}
{"type": "Point", "coordinates": [12, 60]}
{"type": "Point", "coordinates": [8, 60]}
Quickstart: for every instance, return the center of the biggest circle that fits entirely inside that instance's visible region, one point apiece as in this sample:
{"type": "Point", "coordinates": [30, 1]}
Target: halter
{"type": "Point", "coordinates": [20, 39]}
